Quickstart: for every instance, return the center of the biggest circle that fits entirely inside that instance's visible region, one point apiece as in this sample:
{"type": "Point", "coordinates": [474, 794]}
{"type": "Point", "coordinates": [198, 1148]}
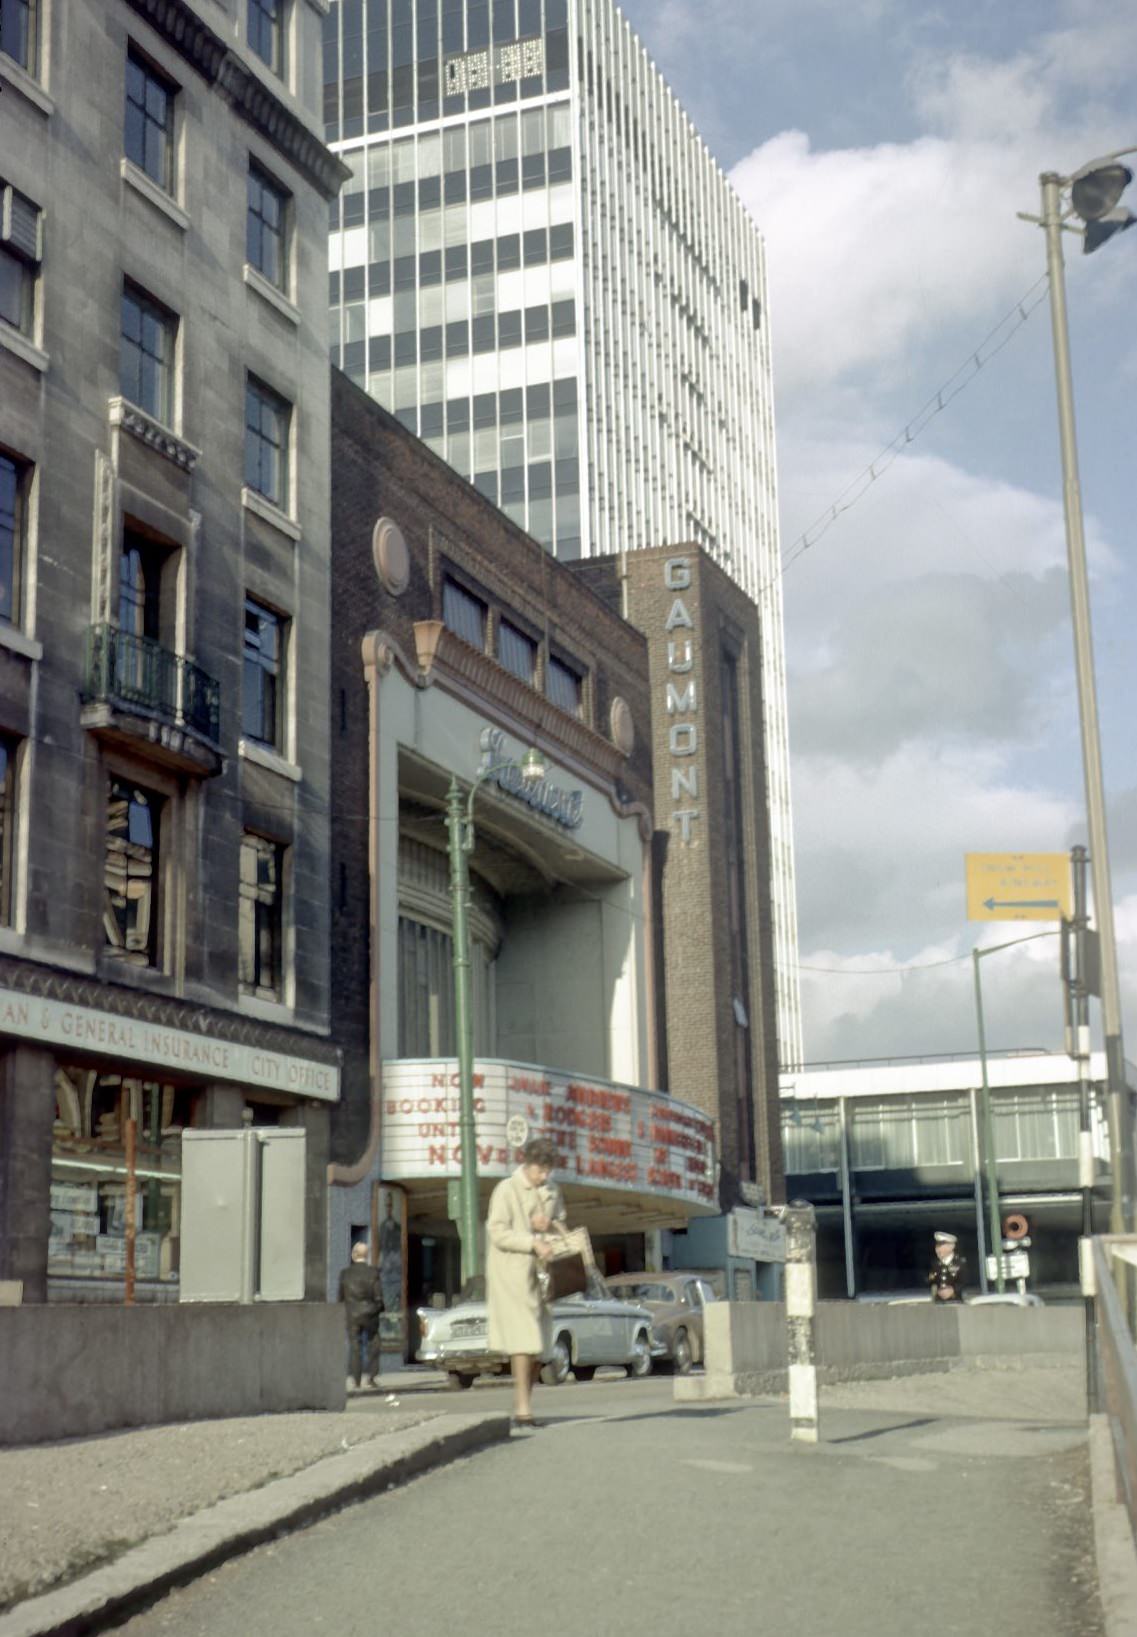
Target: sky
{"type": "Point", "coordinates": [884, 147]}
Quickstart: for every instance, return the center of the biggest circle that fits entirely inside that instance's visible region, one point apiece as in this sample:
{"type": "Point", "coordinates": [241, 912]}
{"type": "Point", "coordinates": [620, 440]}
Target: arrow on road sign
{"type": "Point", "coordinates": [1020, 903]}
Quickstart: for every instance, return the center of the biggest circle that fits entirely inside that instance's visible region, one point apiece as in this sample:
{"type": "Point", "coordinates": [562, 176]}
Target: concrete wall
{"type": "Point", "coordinates": [746, 1342]}
{"type": "Point", "coordinates": [69, 1372]}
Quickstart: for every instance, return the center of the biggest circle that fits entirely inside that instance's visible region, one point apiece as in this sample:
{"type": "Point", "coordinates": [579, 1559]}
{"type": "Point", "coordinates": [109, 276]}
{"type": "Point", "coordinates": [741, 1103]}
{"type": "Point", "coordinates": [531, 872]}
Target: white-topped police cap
{"type": "Point", "coordinates": [945, 1238]}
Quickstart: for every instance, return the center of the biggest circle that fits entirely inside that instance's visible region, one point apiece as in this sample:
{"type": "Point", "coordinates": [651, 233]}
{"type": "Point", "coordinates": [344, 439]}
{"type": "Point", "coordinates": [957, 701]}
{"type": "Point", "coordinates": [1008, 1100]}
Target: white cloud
{"type": "Point", "coordinates": [875, 249]}
{"type": "Point", "coordinates": [930, 1005]}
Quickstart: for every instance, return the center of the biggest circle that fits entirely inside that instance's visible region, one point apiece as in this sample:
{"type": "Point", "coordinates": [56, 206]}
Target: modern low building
{"type": "Point", "coordinates": [538, 266]}
{"type": "Point", "coordinates": [889, 1152]}
{"type": "Point", "coordinates": [165, 793]}
{"type": "Point", "coordinates": [460, 643]}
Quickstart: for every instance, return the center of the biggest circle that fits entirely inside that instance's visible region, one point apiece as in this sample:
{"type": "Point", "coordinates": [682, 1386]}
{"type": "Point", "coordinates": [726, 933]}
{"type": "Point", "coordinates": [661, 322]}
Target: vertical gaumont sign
{"type": "Point", "coordinates": [607, 1135]}
{"type": "Point", "coordinates": [681, 698]}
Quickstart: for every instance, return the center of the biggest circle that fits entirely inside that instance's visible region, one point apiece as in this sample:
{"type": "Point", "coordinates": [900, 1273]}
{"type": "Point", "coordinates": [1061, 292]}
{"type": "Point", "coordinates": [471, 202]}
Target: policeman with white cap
{"type": "Point", "coordinates": [946, 1276]}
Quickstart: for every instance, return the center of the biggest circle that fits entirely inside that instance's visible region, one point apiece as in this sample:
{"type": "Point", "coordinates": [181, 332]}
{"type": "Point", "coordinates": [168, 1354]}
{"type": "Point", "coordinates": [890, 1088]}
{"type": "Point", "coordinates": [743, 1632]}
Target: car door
{"type": "Point", "coordinates": [610, 1327]}
{"type": "Point", "coordinates": [578, 1311]}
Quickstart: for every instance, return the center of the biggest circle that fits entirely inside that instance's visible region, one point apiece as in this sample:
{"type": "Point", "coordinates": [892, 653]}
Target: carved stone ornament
{"type": "Point", "coordinates": [392, 559]}
{"type": "Point", "coordinates": [153, 434]}
{"type": "Point", "coordinates": [622, 726]}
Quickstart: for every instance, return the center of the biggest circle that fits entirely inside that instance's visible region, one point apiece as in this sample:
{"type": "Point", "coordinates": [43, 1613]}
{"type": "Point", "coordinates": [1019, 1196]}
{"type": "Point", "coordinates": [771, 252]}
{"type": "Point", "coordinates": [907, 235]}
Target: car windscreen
{"type": "Point", "coordinates": [644, 1293]}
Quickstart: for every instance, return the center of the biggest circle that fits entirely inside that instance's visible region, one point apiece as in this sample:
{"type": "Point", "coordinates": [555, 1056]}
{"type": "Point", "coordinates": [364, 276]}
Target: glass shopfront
{"type": "Point", "coordinates": [89, 1178]}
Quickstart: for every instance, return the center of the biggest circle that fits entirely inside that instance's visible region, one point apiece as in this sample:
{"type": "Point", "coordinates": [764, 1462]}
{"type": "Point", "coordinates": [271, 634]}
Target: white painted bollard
{"type": "Point", "coordinates": [801, 1305]}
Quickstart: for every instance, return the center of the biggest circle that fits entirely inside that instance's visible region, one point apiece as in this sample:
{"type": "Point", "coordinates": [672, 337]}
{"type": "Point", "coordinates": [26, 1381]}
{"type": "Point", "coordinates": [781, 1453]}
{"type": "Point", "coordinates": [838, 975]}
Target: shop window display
{"type": "Point", "coordinates": [88, 1175]}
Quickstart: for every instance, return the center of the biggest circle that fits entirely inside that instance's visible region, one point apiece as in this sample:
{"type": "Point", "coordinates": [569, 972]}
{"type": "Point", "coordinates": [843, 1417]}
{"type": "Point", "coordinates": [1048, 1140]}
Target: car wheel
{"type": "Point", "coordinates": [641, 1361]}
{"type": "Point", "coordinates": [584, 1372]}
{"type": "Point", "coordinates": [556, 1370]}
{"type": "Point", "coordinates": [457, 1381]}
{"type": "Point", "coordinates": [682, 1355]}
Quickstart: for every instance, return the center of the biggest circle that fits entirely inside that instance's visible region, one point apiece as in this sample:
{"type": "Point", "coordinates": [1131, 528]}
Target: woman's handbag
{"type": "Point", "coordinates": [565, 1272]}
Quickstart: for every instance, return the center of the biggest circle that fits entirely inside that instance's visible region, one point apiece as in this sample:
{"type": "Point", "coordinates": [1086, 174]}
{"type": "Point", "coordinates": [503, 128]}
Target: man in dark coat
{"type": "Point", "coordinates": [946, 1276]}
{"type": "Point", "coordinates": [362, 1298]}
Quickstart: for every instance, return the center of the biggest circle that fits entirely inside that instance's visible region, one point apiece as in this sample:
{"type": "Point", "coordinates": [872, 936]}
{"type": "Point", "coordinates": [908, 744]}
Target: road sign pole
{"type": "Point", "coordinates": [996, 1233]}
{"type": "Point", "coordinates": [1079, 1046]}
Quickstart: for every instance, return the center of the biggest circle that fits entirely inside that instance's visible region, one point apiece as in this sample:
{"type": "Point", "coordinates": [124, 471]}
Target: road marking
{"type": "Point", "coordinates": [720, 1466]}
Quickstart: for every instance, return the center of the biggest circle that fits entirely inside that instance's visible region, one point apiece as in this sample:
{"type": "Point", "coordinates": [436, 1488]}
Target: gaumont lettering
{"type": "Point", "coordinates": [681, 699]}
{"type": "Point", "coordinates": [565, 807]}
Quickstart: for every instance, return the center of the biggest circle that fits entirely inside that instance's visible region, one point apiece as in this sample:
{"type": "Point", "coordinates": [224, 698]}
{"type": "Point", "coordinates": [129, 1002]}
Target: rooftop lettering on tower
{"type": "Point", "coordinates": [478, 70]}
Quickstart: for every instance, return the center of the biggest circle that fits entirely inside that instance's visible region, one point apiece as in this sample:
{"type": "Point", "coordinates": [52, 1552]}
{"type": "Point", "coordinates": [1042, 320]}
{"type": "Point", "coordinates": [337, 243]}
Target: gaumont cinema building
{"type": "Point", "coordinates": [460, 645]}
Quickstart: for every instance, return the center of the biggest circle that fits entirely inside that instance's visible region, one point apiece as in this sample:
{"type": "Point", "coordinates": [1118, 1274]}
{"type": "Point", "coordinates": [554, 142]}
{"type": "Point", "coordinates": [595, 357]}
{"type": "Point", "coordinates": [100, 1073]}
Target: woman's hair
{"type": "Point", "coordinates": [539, 1151]}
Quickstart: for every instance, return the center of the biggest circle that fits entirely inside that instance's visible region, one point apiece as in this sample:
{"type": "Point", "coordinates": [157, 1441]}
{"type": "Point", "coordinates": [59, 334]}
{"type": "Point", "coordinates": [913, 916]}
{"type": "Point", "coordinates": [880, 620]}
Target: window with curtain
{"type": "Point", "coordinates": [426, 992]}
{"type": "Point", "coordinates": [517, 652]}
{"type": "Point", "coordinates": [464, 614]}
{"type": "Point", "coordinates": [1039, 1123]}
{"type": "Point", "coordinates": [811, 1139]}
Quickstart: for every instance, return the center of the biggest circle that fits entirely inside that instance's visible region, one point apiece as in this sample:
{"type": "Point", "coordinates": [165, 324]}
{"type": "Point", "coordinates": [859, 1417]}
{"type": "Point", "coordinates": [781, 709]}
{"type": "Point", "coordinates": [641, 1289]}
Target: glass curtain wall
{"type": "Point", "coordinates": [453, 270]}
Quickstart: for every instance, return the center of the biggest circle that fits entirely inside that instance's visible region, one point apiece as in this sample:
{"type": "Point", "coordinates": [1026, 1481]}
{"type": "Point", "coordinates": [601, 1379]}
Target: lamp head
{"type": "Point", "coordinates": [533, 766]}
{"type": "Point", "coordinates": [1096, 188]}
{"type": "Point", "coordinates": [1114, 221]}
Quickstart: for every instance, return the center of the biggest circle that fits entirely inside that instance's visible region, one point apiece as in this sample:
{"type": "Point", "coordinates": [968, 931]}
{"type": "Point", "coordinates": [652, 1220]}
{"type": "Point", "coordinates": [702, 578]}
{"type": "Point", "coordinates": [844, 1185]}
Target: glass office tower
{"type": "Point", "coordinates": [539, 268]}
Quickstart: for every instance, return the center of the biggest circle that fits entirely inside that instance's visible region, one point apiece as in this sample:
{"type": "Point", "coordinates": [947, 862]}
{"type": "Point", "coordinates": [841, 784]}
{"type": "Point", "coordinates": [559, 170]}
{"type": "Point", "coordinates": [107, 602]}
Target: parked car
{"type": "Point", "coordinates": [675, 1302]}
{"type": "Point", "coordinates": [589, 1330]}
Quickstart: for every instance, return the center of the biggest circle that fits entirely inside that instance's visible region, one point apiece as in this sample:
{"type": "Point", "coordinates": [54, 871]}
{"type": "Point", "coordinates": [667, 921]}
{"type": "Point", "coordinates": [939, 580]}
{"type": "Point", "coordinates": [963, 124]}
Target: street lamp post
{"type": "Point", "coordinates": [1093, 192]}
{"type": "Point", "coordinates": [460, 831]}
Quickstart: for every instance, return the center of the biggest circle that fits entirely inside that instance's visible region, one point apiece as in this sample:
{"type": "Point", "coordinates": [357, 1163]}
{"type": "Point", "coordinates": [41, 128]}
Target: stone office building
{"type": "Point", "coordinates": [459, 643]}
{"type": "Point", "coordinates": [164, 555]}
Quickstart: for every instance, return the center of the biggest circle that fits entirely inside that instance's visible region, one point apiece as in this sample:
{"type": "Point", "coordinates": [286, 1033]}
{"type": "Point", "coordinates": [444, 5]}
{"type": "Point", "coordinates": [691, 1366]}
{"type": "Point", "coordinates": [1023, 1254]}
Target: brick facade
{"type": "Point", "coordinates": [380, 470]}
{"type": "Point", "coordinates": [677, 595]}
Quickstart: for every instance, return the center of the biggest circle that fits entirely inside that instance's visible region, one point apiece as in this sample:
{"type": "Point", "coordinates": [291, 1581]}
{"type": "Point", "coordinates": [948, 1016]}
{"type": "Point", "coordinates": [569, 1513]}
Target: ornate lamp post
{"type": "Point", "coordinates": [460, 829]}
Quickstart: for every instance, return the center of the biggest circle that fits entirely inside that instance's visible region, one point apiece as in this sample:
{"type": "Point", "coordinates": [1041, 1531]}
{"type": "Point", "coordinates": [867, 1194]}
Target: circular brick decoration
{"type": "Point", "coordinates": [392, 559]}
{"type": "Point", "coordinates": [622, 726]}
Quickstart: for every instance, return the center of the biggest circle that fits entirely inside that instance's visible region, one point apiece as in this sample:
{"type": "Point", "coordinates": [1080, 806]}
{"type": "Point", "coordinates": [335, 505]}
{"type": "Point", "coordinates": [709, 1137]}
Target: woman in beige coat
{"type": "Point", "coordinates": [524, 1209]}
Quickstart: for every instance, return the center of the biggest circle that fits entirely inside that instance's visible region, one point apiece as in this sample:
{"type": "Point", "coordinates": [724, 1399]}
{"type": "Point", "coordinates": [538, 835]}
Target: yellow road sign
{"type": "Point", "coordinates": [1018, 886]}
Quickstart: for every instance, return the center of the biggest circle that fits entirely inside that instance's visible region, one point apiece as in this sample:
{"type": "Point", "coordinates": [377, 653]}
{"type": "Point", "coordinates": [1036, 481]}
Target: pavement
{"type": "Point", "coordinates": [89, 1504]}
{"type": "Point", "coordinates": [630, 1513]}
{"type": "Point", "coordinates": [953, 1503]}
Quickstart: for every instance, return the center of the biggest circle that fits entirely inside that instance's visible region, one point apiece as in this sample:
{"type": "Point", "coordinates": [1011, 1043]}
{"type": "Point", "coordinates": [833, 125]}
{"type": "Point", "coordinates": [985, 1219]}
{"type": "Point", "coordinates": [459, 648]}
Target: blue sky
{"type": "Point", "coordinates": [884, 147]}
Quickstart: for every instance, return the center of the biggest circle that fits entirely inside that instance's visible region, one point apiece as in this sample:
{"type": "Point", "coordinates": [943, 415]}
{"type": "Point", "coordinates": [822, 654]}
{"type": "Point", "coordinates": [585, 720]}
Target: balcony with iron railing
{"type": "Point", "coordinates": [142, 695]}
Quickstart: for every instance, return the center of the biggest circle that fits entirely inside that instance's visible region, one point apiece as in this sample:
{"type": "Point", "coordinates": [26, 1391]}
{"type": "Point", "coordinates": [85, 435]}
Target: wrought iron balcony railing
{"type": "Point", "coordinates": [130, 670]}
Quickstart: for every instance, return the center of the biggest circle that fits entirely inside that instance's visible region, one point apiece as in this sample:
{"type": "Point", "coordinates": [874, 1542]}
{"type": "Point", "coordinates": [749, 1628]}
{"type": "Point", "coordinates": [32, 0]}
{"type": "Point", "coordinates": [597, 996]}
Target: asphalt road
{"type": "Point", "coordinates": [628, 1514]}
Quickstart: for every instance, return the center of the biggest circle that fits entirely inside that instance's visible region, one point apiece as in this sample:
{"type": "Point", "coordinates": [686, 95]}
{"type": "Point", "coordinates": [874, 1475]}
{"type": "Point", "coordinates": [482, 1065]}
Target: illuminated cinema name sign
{"type": "Point", "coordinates": [562, 806]}
{"type": "Point", "coordinates": [681, 699]}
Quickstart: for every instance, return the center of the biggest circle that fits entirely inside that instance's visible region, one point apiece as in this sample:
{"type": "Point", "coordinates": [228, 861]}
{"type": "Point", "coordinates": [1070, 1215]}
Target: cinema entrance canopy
{"type": "Point", "coordinates": [628, 1160]}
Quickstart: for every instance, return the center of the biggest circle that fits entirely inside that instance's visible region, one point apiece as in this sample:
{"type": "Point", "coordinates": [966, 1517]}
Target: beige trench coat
{"type": "Point", "coordinates": [519, 1320]}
